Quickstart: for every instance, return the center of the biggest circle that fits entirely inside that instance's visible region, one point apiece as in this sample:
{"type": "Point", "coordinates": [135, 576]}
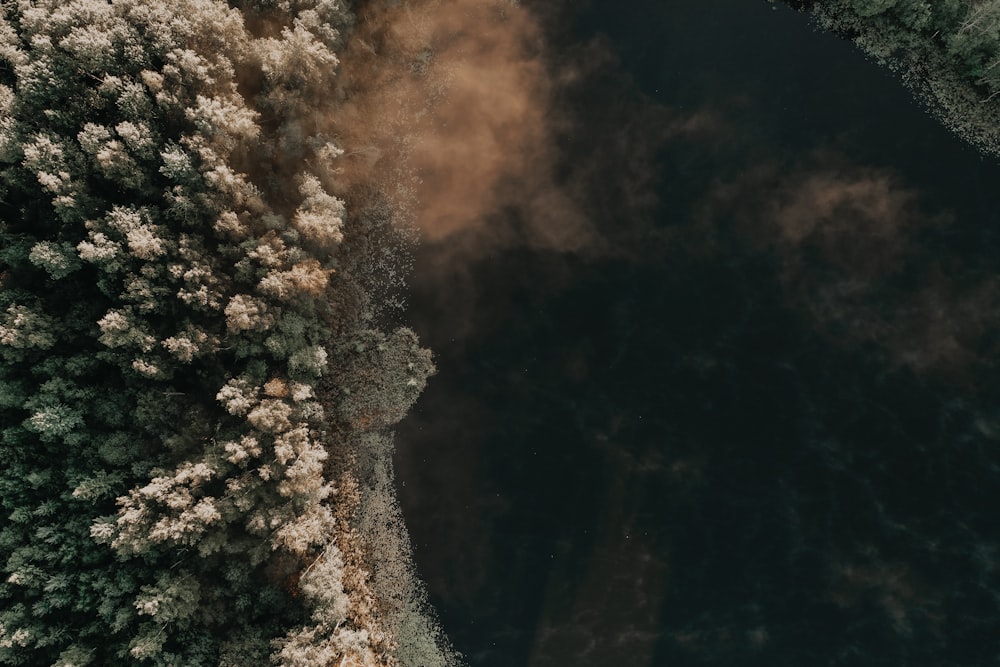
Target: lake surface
{"type": "Point", "coordinates": [756, 423]}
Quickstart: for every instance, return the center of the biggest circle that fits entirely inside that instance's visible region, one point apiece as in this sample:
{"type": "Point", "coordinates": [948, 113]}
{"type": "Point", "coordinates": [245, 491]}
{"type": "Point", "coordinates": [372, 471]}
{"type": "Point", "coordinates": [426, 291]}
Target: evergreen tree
{"type": "Point", "coordinates": [947, 51]}
{"type": "Point", "coordinates": [177, 477]}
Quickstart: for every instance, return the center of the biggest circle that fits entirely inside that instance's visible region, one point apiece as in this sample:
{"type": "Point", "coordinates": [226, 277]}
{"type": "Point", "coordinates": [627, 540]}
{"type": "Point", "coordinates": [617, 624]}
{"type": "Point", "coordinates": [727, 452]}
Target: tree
{"type": "Point", "coordinates": [185, 369]}
{"type": "Point", "coordinates": [948, 53]}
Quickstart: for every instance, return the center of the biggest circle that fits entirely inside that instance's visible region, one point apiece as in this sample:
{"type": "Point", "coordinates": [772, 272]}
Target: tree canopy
{"type": "Point", "coordinates": [948, 52]}
{"type": "Point", "coordinates": [189, 372]}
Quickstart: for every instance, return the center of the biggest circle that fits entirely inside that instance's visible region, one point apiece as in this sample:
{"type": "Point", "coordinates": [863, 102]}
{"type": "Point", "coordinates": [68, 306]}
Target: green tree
{"type": "Point", "coordinates": [171, 321]}
{"type": "Point", "coordinates": [947, 51]}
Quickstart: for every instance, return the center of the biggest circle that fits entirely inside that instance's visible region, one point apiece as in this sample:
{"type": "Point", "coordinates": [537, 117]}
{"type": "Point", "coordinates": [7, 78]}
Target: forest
{"type": "Point", "coordinates": [946, 51]}
{"type": "Point", "coordinates": [202, 361]}
{"type": "Point", "coordinates": [195, 389]}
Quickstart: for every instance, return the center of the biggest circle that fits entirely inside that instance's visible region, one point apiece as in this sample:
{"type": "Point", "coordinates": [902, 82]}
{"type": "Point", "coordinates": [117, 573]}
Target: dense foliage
{"type": "Point", "coordinates": [947, 50]}
{"type": "Point", "coordinates": [187, 356]}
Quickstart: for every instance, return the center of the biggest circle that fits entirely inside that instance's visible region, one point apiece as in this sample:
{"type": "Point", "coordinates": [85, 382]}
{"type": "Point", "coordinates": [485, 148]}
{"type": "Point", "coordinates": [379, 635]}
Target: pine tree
{"type": "Point", "coordinates": [183, 370]}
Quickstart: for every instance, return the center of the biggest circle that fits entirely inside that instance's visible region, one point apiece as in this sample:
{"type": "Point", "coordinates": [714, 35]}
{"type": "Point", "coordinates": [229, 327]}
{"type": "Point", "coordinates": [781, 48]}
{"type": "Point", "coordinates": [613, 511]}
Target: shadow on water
{"type": "Point", "coordinates": [761, 429]}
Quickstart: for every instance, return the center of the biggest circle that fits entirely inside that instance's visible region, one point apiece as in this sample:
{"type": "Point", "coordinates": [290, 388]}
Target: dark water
{"type": "Point", "coordinates": [763, 427]}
